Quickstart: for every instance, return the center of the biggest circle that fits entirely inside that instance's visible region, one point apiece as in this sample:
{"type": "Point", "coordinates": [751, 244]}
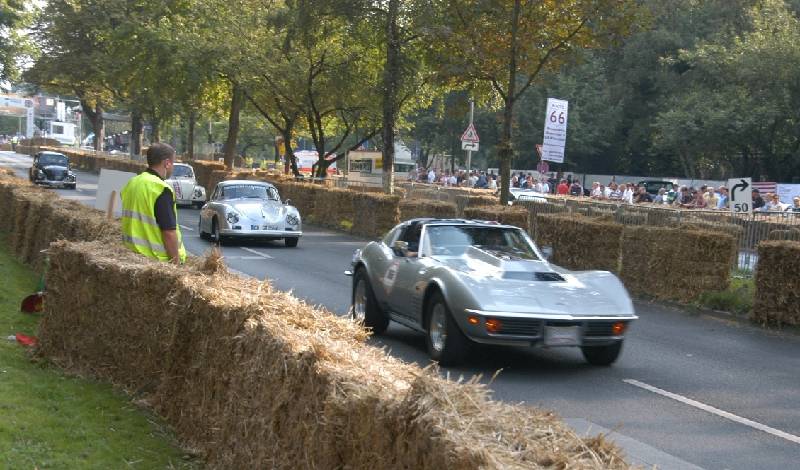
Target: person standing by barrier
{"type": "Point", "coordinates": [149, 213]}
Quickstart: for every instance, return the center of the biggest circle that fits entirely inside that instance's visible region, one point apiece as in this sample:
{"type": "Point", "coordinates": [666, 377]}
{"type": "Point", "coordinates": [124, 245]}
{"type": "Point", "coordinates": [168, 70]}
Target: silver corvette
{"type": "Point", "coordinates": [187, 191]}
{"type": "Point", "coordinates": [462, 281]}
{"type": "Point", "coordinates": [249, 209]}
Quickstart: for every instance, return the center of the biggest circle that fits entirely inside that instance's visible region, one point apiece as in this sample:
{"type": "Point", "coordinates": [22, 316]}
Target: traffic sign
{"type": "Point", "coordinates": [467, 145]}
{"type": "Point", "coordinates": [470, 135]}
{"type": "Point", "coordinates": [741, 193]}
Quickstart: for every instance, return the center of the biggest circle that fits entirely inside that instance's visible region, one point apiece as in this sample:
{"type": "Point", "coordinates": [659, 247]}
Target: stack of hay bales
{"type": "Point", "coordinates": [676, 264]}
{"type": "Point", "coordinates": [252, 377]}
{"type": "Point", "coordinates": [777, 298]}
{"type": "Point", "coordinates": [333, 207]}
{"type": "Point", "coordinates": [34, 219]}
{"type": "Point", "coordinates": [791, 234]}
{"type": "Point", "coordinates": [579, 242]}
{"type": "Point", "coordinates": [464, 200]}
{"type": "Point", "coordinates": [374, 214]}
{"type": "Point", "coordinates": [417, 208]}
{"type": "Point", "coordinates": [203, 170]}
{"type": "Point", "coordinates": [513, 215]}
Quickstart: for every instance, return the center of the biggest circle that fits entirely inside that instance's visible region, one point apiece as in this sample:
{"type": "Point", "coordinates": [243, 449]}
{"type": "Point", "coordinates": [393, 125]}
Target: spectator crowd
{"type": "Point", "coordinates": [705, 197]}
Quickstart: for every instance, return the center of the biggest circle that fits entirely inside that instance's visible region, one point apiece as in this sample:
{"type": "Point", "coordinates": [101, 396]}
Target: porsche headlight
{"type": "Point", "coordinates": [232, 217]}
{"type": "Point", "coordinates": [292, 219]}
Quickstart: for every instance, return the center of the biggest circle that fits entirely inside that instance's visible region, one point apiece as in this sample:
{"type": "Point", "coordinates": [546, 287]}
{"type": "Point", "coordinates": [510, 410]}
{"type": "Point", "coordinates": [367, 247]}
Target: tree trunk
{"type": "Point", "coordinates": [136, 134]}
{"type": "Point", "coordinates": [237, 100]}
{"type": "Point", "coordinates": [95, 116]}
{"type": "Point", "coordinates": [190, 135]}
{"type": "Point", "coordinates": [287, 139]}
{"type": "Point", "coordinates": [506, 151]}
{"type": "Point", "coordinates": [155, 136]}
{"type": "Point", "coordinates": [391, 76]}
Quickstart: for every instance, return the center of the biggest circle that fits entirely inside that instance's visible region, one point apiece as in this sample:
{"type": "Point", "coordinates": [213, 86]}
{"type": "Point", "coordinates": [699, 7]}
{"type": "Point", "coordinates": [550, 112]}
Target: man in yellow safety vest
{"type": "Point", "coordinates": [149, 214]}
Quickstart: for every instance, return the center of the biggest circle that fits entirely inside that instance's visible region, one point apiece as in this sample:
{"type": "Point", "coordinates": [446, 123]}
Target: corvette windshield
{"type": "Point", "coordinates": [182, 171]}
{"type": "Point", "coordinates": [53, 159]}
{"type": "Point", "coordinates": [250, 191]}
{"type": "Point", "coordinates": [453, 240]}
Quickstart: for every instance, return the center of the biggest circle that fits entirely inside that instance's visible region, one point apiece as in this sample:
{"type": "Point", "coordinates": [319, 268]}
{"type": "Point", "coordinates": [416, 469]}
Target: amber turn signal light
{"type": "Point", "coordinates": [473, 320]}
{"type": "Point", "coordinates": [493, 325]}
{"type": "Point", "coordinates": [618, 328]}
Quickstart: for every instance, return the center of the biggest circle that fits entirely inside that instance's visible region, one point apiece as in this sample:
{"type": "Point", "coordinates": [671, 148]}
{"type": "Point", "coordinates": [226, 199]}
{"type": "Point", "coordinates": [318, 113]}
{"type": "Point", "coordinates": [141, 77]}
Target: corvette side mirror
{"type": "Point", "coordinates": [547, 252]}
{"type": "Point", "coordinates": [287, 202]}
{"type": "Point", "coordinates": [400, 248]}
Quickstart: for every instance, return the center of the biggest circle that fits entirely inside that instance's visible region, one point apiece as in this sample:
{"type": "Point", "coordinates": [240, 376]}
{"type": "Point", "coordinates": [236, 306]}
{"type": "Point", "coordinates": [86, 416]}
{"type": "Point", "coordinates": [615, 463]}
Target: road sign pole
{"type": "Point", "coordinates": [471, 117]}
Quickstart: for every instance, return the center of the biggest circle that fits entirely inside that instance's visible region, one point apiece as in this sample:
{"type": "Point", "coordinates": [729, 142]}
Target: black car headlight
{"type": "Point", "coordinates": [232, 217]}
{"type": "Point", "coordinates": [39, 173]}
{"type": "Point", "coordinates": [70, 176]}
{"type": "Point", "coordinates": [292, 219]}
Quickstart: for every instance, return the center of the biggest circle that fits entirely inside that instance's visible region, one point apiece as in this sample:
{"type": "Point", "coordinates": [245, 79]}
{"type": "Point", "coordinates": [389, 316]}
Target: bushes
{"type": "Point", "coordinates": [777, 299]}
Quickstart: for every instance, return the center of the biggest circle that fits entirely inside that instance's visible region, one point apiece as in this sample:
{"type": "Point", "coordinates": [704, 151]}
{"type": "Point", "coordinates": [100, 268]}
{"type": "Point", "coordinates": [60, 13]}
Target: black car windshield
{"type": "Point", "coordinates": [182, 171]}
{"type": "Point", "coordinates": [249, 191]}
{"type": "Point", "coordinates": [454, 240]}
{"type": "Point", "coordinates": [48, 159]}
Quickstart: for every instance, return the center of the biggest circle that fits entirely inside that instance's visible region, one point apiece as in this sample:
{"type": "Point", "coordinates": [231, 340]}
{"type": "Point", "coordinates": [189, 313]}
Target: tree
{"type": "Point", "coordinates": [13, 18]}
{"type": "Point", "coordinates": [503, 46]}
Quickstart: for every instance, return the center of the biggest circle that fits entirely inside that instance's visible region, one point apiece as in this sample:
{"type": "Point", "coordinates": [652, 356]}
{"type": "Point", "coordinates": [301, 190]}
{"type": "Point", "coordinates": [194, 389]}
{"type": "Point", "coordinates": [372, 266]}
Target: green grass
{"type": "Point", "coordinates": [738, 298]}
{"type": "Point", "coordinates": [51, 420]}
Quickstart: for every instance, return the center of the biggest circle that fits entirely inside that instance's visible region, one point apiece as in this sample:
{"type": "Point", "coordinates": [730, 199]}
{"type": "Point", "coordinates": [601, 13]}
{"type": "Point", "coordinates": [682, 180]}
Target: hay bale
{"type": "Point", "coordinates": [777, 299]}
{"type": "Point", "coordinates": [676, 264]}
{"type": "Point", "coordinates": [516, 216]}
{"type": "Point", "coordinates": [580, 243]}
{"type": "Point", "coordinates": [416, 208]}
{"type": "Point", "coordinates": [791, 234]}
{"type": "Point", "coordinates": [306, 390]}
{"type": "Point", "coordinates": [374, 214]}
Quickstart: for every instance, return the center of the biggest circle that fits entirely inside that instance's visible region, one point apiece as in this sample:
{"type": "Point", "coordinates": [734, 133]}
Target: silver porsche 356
{"type": "Point", "coordinates": [249, 209]}
{"type": "Point", "coordinates": [463, 281]}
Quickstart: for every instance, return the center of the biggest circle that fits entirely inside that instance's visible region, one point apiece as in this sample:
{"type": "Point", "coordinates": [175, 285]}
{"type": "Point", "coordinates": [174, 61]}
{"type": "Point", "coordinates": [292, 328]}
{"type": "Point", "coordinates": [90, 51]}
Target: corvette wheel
{"type": "Point", "coordinates": [602, 355]}
{"type": "Point", "coordinates": [291, 242]}
{"type": "Point", "coordinates": [203, 235]}
{"type": "Point", "coordinates": [365, 309]}
{"type": "Point", "coordinates": [446, 343]}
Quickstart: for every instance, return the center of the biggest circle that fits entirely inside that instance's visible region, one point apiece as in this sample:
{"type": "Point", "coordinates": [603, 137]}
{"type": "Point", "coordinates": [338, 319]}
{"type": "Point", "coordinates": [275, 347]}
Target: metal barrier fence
{"type": "Point", "coordinates": [749, 230]}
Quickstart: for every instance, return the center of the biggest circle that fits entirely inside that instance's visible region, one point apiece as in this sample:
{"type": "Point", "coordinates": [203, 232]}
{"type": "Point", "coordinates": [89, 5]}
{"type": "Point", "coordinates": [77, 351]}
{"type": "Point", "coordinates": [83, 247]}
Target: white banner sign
{"type": "Point", "coordinates": [555, 130]}
{"type": "Point", "coordinates": [787, 192]}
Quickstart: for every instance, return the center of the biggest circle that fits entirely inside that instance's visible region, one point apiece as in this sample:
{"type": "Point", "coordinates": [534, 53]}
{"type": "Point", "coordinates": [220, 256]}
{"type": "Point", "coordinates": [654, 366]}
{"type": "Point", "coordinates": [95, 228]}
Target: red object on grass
{"type": "Point", "coordinates": [26, 340]}
{"type": "Point", "coordinates": [33, 303]}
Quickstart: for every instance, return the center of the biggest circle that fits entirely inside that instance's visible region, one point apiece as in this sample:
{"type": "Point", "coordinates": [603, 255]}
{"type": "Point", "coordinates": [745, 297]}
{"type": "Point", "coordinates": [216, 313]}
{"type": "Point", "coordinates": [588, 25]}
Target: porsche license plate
{"type": "Point", "coordinates": [562, 336]}
{"type": "Point", "coordinates": [270, 227]}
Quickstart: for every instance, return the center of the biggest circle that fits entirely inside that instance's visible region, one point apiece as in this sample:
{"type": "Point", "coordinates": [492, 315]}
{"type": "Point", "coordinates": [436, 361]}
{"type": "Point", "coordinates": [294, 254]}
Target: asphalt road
{"type": "Point", "coordinates": [690, 390]}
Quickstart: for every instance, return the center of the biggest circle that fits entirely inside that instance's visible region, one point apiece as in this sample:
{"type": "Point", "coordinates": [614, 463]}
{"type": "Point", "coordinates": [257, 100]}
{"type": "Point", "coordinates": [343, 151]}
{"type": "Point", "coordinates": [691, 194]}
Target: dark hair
{"type": "Point", "coordinates": [159, 152]}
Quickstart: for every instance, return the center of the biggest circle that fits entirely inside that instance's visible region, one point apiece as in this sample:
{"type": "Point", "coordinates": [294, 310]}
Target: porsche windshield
{"type": "Point", "coordinates": [454, 240]}
{"type": "Point", "coordinates": [182, 171]}
{"type": "Point", "coordinates": [249, 191]}
{"type": "Point", "coordinates": [47, 159]}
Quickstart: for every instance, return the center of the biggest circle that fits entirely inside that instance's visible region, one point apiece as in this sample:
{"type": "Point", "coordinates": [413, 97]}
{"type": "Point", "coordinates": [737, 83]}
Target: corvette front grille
{"type": "Point", "coordinates": [520, 327]}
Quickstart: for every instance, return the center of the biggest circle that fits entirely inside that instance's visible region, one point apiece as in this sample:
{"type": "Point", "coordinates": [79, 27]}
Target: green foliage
{"type": "Point", "coordinates": [51, 420]}
{"type": "Point", "coordinates": [738, 298]}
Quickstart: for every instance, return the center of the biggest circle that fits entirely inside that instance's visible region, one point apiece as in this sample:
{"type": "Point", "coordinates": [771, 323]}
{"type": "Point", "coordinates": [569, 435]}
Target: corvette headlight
{"type": "Point", "coordinates": [232, 217]}
{"type": "Point", "coordinates": [292, 219]}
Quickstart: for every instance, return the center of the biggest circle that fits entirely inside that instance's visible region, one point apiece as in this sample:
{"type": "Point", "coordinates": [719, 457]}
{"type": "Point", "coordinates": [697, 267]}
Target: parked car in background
{"type": "Point", "coordinates": [187, 191]}
{"type": "Point", "coordinates": [519, 194]}
{"type": "Point", "coordinates": [52, 169]}
{"type": "Point", "coordinates": [464, 281]}
{"type": "Point", "coordinates": [249, 209]}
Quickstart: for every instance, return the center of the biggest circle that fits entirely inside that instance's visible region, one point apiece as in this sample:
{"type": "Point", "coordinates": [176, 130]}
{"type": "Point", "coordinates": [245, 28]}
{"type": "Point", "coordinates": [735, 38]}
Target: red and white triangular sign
{"type": "Point", "coordinates": [470, 135]}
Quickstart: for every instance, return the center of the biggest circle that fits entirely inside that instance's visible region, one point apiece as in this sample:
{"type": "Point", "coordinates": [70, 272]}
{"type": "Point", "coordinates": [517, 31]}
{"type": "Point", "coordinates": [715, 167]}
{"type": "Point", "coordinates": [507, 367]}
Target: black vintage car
{"type": "Point", "coordinates": [52, 169]}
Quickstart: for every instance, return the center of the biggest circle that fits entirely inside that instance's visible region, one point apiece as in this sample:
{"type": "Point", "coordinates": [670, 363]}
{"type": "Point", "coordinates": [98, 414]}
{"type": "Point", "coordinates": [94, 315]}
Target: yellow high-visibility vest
{"type": "Point", "coordinates": [140, 231]}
